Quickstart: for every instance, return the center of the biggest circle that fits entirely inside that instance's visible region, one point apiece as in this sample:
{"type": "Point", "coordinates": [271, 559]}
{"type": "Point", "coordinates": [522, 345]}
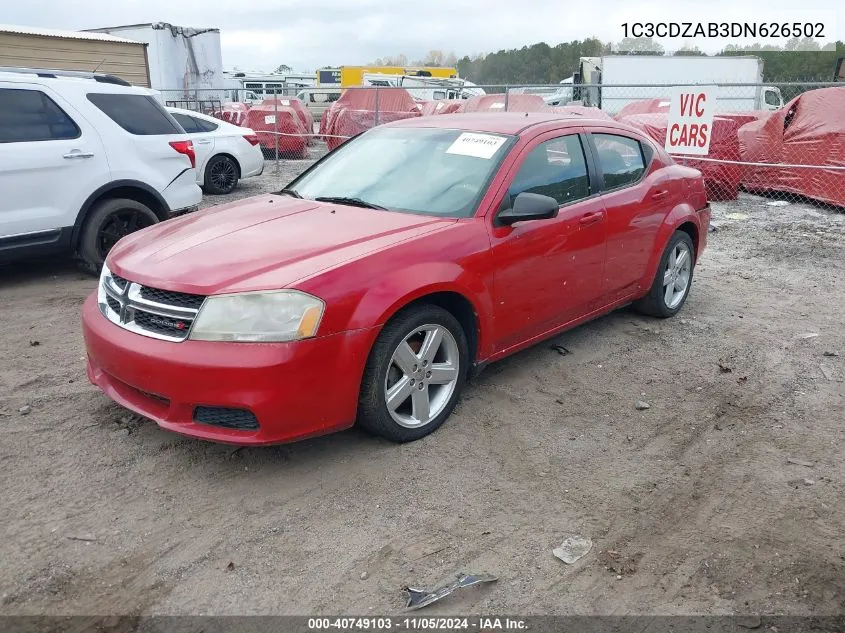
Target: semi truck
{"type": "Point", "coordinates": [428, 88]}
{"type": "Point", "coordinates": [347, 76]}
{"type": "Point", "coordinates": [641, 77]}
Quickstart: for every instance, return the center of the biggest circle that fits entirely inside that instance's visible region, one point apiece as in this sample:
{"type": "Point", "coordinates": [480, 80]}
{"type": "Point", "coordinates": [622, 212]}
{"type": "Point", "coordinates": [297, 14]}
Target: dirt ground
{"type": "Point", "coordinates": [692, 505]}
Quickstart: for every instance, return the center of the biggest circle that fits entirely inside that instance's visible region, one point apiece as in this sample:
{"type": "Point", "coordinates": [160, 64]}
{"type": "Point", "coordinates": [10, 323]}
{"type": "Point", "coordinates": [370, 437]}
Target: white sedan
{"type": "Point", "coordinates": [225, 153]}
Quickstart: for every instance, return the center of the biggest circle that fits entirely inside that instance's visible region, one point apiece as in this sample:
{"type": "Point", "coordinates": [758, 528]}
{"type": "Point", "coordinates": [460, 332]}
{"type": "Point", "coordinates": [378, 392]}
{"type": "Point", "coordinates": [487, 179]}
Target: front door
{"type": "Point", "coordinates": [548, 272]}
{"type": "Point", "coordinates": [51, 160]}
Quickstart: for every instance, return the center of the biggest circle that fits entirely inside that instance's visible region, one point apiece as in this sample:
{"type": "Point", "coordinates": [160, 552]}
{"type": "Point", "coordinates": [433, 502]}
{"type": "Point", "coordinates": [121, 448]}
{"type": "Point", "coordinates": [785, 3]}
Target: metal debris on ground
{"type": "Point", "coordinates": [560, 349]}
{"type": "Point", "coordinates": [86, 539]}
{"type": "Point", "coordinates": [778, 203]}
{"type": "Point", "coordinates": [736, 216]}
{"type": "Point", "coordinates": [642, 405]}
{"type": "Point", "coordinates": [418, 598]}
{"type": "Point", "coordinates": [797, 483]}
{"type": "Point", "coordinates": [573, 549]}
{"type": "Point", "coordinates": [25, 409]}
{"type": "Point", "coordinates": [799, 462]}
{"type": "Point", "coordinates": [230, 566]}
{"type": "Point", "coordinates": [831, 354]}
{"type": "Point", "coordinates": [809, 335]}
{"type": "Point", "coordinates": [724, 368]}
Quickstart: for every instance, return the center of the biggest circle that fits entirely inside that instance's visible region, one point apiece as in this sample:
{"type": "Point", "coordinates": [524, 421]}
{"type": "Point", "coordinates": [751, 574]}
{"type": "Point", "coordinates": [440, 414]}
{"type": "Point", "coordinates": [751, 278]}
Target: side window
{"type": "Point", "coordinates": [556, 168]}
{"type": "Point", "coordinates": [203, 125]}
{"type": "Point", "coordinates": [620, 159]}
{"type": "Point", "coordinates": [334, 96]}
{"type": "Point", "coordinates": [189, 124]}
{"type": "Point", "coordinates": [30, 115]}
{"type": "Point", "coordinates": [439, 94]}
{"type": "Point", "coordinates": [137, 114]}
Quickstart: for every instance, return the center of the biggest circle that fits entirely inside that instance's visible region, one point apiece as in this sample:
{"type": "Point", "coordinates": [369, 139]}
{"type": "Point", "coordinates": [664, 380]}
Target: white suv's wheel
{"type": "Point", "coordinates": [108, 222]}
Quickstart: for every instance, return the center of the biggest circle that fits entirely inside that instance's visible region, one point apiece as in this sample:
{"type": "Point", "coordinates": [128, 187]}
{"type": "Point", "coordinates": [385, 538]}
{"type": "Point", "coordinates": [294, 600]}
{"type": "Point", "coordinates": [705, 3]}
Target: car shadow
{"type": "Point", "coordinates": [29, 271]}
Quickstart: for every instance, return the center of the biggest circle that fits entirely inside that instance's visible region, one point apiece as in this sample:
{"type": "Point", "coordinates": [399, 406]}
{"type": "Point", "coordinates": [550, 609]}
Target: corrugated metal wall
{"type": "Point", "coordinates": [125, 60]}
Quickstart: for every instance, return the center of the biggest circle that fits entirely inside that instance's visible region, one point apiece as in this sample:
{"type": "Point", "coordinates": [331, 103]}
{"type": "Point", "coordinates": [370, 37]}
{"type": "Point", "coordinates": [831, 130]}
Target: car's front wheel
{"type": "Point", "coordinates": [673, 280]}
{"type": "Point", "coordinates": [414, 375]}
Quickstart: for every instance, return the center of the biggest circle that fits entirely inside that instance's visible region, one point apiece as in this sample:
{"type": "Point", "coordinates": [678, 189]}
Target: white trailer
{"type": "Point", "coordinates": [185, 63]}
{"type": "Point", "coordinates": [651, 76]}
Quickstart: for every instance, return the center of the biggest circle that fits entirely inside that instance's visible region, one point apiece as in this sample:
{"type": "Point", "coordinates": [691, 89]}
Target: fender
{"type": "Point", "coordinates": [404, 286]}
{"type": "Point", "coordinates": [681, 214]}
{"type": "Point", "coordinates": [163, 212]}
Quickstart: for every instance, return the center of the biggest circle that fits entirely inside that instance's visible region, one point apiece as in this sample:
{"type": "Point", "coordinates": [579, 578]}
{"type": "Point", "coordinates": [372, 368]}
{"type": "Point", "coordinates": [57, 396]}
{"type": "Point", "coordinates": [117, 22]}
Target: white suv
{"type": "Point", "coordinates": [84, 160]}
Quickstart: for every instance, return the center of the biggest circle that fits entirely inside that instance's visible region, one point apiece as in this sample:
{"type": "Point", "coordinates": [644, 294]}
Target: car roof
{"type": "Point", "coordinates": [504, 122]}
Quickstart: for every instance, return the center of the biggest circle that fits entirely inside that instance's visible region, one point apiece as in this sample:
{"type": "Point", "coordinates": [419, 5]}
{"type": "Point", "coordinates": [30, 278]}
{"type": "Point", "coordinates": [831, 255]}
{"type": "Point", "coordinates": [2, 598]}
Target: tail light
{"type": "Point", "coordinates": [252, 139]}
{"type": "Point", "coordinates": [186, 148]}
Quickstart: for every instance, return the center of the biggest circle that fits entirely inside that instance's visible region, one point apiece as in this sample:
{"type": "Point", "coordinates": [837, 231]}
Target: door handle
{"type": "Point", "coordinates": [78, 154]}
{"type": "Point", "coordinates": [658, 195]}
{"type": "Point", "coordinates": [591, 218]}
{"type": "Point", "coordinates": [203, 142]}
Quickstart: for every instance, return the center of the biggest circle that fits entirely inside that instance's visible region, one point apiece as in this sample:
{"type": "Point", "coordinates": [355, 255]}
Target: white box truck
{"type": "Point", "coordinates": [652, 76]}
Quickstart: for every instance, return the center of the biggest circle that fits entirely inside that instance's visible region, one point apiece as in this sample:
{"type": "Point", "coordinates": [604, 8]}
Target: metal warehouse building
{"type": "Point", "coordinates": [27, 47]}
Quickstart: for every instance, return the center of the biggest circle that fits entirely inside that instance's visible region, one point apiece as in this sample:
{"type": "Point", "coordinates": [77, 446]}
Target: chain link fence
{"type": "Point", "coordinates": [785, 140]}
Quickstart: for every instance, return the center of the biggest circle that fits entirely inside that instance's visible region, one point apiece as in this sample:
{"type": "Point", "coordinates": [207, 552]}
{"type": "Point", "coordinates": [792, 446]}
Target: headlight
{"type": "Point", "coordinates": [101, 289]}
{"type": "Point", "coordinates": [274, 316]}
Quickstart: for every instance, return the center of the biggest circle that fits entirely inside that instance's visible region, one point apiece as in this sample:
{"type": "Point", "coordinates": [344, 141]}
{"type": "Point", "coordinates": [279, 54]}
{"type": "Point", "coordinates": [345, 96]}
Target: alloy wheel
{"type": "Point", "coordinates": [676, 277]}
{"type": "Point", "coordinates": [422, 376]}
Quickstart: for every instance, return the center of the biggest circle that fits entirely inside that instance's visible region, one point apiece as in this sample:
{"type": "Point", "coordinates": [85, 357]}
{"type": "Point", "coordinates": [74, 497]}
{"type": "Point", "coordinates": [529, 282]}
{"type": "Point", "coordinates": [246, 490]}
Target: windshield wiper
{"type": "Point", "coordinates": [289, 192]}
{"type": "Point", "coordinates": [353, 202]}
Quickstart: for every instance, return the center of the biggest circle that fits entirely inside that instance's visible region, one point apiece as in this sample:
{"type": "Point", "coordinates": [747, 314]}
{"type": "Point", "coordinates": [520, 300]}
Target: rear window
{"type": "Point", "coordinates": [30, 115]}
{"type": "Point", "coordinates": [141, 115]}
{"type": "Point", "coordinates": [194, 125]}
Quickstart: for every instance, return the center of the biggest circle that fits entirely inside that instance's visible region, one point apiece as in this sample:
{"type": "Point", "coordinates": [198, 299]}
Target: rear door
{"type": "Point", "coordinates": [636, 202]}
{"type": "Point", "coordinates": [148, 144]}
{"type": "Point", "coordinates": [549, 272]}
{"type": "Point", "coordinates": [51, 160]}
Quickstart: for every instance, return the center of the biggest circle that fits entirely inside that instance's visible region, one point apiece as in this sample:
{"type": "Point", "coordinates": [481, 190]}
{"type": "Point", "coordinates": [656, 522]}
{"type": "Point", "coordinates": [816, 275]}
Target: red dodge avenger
{"type": "Point", "coordinates": [372, 286]}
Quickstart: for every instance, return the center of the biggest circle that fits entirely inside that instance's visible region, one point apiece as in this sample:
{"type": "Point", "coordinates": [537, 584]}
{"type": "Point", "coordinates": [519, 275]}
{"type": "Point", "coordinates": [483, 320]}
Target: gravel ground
{"type": "Point", "coordinates": [691, 504]}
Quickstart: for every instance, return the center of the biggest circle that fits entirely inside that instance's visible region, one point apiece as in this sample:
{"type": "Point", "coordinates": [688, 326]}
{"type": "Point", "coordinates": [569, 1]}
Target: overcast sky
{"type": "Point", "coordinates": [261, 34]}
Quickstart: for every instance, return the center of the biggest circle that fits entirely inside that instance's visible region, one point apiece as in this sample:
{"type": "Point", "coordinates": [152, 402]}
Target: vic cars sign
{"type": "Point", "coordinates": [690, 120]}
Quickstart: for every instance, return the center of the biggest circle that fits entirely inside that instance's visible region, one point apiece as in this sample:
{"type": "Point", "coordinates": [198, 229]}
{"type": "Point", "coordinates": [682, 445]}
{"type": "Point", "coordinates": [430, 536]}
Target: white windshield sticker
{"type": "Point", "coordinates": [285, 102]}
{"type": "Point", "coordinates": [497, 106]}
{"type": "Point", "coordinates": [478, 145]}
{"type": "Point", "coordinates": [269, 119]}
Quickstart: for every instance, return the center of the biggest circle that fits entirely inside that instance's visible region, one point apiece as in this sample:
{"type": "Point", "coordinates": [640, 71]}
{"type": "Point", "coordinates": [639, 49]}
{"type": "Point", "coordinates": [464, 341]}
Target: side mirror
{"type": "Point", "coordinates": [529, 206]}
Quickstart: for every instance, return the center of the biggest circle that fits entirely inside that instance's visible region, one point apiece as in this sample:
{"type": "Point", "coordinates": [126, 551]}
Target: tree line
{"type": "Point", "coordinates": [544, 64]}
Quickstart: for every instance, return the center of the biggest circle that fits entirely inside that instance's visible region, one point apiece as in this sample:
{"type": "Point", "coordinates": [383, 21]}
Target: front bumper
{"type": "Point", "coordinates": [294, 390]}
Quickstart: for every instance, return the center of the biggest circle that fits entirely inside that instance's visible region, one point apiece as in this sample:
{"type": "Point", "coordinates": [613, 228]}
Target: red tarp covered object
{"type": "Point", "coordinates": [304, 113]}
{"type": "Point", "coordinates": [809, 130]}
{"type": "Point", "coordinates": [721, 179]}
{"type": "Point", "coordinates": [234, 113]}
{"type": "Point", "coordinates": [584, 111]}
{"type": "Point", "coordinates": [267, 119]}
{"type": "Point", "coordinates": [646, 106]}
{"type": "Point", "coordinates": [355, 112]}
{"type": "Point", "coordinates": [496, 103]}
{"type": "Point", "coordinates": [441, 107]}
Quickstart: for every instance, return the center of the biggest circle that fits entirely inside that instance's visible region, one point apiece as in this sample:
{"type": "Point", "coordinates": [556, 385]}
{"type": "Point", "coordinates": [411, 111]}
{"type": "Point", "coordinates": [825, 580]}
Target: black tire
{"type": "Point", "coordinates": [221, 175]}
{"type": "Point", "coordinates": [373, 414]}
{"type": "Point", "coordinates": [109, 221]}
{"type": "Point", "coordinates": [654, 303]}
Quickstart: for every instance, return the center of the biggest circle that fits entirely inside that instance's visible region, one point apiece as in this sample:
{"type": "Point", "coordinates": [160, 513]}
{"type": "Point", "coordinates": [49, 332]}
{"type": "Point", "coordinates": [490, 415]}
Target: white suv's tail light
{"type": "Point", "coordinates": [252, 139]}
{"type": "Point", "coordinates": [186, 148]}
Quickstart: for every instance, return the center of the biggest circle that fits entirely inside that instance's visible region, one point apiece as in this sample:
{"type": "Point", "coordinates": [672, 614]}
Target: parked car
{"type": "Point", "coordinates": [318, 100]}
{"type": "Point", "coordinates": [373, 284]}
{"type": "Point", "coordinates": [225, 153]}
{"type": "Point", "coordinates": [84, 160]}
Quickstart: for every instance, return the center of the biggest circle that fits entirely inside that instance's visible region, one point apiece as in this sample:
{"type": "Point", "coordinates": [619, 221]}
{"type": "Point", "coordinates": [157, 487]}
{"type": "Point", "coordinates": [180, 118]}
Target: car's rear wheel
{"type": "Point", "coordinates": [221, 175]}
{"type": "Point", "coordinates": [109, 221]}
{"type": "Point", "coordinates": [673, 280]}
{"type": "Point", "coordinates": [414, 375]}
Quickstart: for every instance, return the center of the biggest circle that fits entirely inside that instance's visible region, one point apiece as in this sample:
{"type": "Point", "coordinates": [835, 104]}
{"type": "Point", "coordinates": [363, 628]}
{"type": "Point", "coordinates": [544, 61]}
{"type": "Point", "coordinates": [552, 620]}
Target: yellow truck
{"type": "Point", "coordinates": [346, 76]}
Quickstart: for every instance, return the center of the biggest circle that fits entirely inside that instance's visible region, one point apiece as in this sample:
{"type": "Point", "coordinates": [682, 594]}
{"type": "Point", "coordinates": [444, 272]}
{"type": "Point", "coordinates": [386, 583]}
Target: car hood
{"type": "Point", "coordinates": [261, 243]}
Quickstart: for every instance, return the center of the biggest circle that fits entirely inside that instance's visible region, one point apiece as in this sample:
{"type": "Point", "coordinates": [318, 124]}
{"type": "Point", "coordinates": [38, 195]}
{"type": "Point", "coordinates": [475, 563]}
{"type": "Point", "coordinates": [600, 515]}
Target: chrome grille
{"type": "Point", "coordinates": [161, 314]}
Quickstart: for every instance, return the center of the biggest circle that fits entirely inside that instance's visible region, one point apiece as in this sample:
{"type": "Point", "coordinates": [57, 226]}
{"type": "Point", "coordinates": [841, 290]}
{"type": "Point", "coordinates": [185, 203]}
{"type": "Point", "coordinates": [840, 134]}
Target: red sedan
{"type": "Point", "coordinates": [380, 278]}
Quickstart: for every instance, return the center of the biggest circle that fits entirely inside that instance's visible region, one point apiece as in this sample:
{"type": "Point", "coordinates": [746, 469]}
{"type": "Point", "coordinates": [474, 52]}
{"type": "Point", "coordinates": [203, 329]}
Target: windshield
{"type": "Point", "coordinates": [418, 170]}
